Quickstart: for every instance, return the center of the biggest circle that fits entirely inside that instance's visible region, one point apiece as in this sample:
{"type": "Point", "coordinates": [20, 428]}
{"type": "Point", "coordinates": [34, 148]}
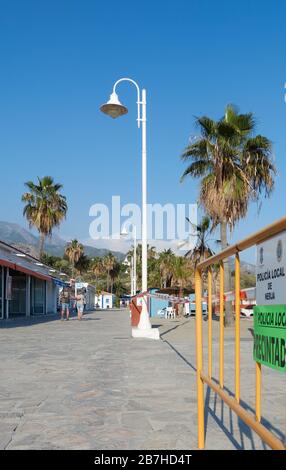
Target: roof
{"type": "Point", "coordinates": [106, 293]}
{"type": "Point", "coordinates": [18, 260]}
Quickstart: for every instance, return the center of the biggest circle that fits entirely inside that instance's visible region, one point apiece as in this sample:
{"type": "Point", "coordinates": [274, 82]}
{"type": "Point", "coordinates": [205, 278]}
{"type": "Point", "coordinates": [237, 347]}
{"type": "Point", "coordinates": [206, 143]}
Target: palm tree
{"type": "Point", "coordinates": [202, 250]}
{"type": "Point", "coordinates": [45, 207]}
{"type": "Point", "coordinates": [108, 263]}
{"type": "Point", "coordinates": [82, 264]}
{"type": "Point", "coordinates": [74, 251]}
{"type": "Point", "coordinates": [115, 273]}
{"type": "Point", "coordinates": [182, 273]}
{"type": "Point", "coordinates": [166, 260]}
{"type": "Point", "coordinates": [235, 168]}
{"type": "Point", "coordinates": [97, 267]}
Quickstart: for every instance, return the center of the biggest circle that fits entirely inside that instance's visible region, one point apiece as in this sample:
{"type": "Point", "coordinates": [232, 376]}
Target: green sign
{"type": "Point", "coordinates": [269, 346]}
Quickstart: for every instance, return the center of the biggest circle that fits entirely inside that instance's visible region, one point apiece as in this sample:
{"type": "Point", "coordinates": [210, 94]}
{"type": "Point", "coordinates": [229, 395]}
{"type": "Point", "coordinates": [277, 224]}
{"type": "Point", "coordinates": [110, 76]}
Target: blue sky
{"type": "Point", "coordinates": [59, 60]}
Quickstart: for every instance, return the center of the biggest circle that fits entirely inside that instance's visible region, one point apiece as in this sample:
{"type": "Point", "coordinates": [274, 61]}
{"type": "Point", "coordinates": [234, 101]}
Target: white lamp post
{"type": "Point", "coordinates": [132, 276]}
{"type": "Point", "coordinates": [124, 233]}
{"type": "Point", "coordinates": [115, 109]}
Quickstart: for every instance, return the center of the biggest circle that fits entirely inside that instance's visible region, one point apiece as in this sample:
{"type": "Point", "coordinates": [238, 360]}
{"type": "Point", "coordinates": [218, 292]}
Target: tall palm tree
{"type": "Point", "coordinates": [97, 267]}
{"type": "Point", "coordinates": [235, 167]}
{"type": "Point", "coordinates": [115, 273]}
{"type": "Point", "coordinates": [74, 250]}
{"type": "Point", "coordinates": [45, 207]}
{"type": "Point", "coordinates": [108, 262]}
{"type": "Point", "coordinates": [182, 273]}
{"type": "Point", "coordinates": [166, 260]}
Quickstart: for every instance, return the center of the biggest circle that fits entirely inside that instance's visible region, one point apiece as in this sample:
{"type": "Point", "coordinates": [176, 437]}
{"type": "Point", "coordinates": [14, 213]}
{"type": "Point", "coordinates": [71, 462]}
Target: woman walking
{"type": "Point", "coordinates": [79, 304]}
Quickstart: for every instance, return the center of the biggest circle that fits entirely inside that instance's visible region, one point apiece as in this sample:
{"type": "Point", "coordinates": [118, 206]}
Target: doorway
{"type": "Point", "coordinates": [17, 303]}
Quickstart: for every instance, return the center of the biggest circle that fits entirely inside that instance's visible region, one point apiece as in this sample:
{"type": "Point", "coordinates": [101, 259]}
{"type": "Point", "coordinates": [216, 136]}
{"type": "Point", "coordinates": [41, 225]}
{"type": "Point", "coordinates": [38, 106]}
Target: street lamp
{"type": "Point", "coordinates": [114, 109]}
{"type": "Point", "coordinates": [124, 233]}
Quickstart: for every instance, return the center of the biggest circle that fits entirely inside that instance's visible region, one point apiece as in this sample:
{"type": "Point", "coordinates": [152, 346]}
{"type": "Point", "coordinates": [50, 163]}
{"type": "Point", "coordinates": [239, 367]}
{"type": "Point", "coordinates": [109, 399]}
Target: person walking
{"type": "Point", "coordinates": [80, 304]}
{"type": "Point", "coordinates": [84, 299]}
{"type": "Point", "coordinates": [65, 298]}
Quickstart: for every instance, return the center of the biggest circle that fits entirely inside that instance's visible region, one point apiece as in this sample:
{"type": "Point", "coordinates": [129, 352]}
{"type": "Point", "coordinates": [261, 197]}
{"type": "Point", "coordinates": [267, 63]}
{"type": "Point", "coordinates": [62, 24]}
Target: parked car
{"type": "Point", "coordinates": [246, 311]}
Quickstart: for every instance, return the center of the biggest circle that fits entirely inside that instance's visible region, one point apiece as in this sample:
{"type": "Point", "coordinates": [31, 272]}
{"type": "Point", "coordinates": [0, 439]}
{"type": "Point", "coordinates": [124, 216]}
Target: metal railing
{"type": "Point", "coordinates": [202, 378]}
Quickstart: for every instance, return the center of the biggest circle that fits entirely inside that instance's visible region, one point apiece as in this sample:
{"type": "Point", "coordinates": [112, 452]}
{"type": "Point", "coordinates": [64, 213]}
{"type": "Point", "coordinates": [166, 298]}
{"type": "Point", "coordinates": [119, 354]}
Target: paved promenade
{"type": "Point", "coordinates": [89, 385]}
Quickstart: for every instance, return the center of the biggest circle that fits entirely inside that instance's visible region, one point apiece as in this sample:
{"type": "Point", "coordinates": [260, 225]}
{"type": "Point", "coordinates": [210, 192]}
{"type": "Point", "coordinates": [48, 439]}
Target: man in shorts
{"type": "Point", "coordinates": [80, 304]}
{"type": "Point", "coordinates": [65, 299]}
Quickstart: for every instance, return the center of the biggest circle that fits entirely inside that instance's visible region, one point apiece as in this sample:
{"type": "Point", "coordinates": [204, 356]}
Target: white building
{"type": "Point", "coordinates": [104, 301]}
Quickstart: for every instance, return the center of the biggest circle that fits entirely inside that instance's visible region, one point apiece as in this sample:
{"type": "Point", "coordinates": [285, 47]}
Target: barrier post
{"type": "Point", "coordinates": [258, 392]}
{"type": "Point", "coordinates": [210, 316]}
{"type": "Point", "coordinates": [237, 327]}
{"type": "Point", "coordinates": [199, 351]}
{"type": "Point", "coordinates": [221, 325]}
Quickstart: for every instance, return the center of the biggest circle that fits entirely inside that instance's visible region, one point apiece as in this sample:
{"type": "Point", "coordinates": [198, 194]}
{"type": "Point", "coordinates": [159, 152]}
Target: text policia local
{"type": "Point", "coordinates": [270, 275]}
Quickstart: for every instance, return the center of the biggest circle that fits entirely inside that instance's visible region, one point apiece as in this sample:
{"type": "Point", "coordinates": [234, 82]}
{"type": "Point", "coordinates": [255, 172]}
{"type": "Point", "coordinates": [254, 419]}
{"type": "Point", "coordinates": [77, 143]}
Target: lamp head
{"type": "Point", "coordinates": [113, 107]}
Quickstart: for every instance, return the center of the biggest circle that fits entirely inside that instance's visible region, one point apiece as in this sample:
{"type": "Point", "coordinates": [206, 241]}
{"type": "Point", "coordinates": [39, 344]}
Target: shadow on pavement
{"type": "Point", "coordinates": [18, 322]}
{"type": "Point", "coordinates": [219, 410]}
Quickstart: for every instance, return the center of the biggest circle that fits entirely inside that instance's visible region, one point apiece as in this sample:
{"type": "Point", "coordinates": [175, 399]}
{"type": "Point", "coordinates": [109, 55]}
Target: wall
{"type": "Point", "coordinates": [52, 293]}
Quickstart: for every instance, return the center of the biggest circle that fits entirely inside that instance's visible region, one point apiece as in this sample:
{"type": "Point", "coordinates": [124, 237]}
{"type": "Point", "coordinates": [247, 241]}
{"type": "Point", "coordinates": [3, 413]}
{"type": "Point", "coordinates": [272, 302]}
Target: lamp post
{"type": "Point", "coordinates": [124, 233]}
{"type": "Point", "coordinates": [114, 109]}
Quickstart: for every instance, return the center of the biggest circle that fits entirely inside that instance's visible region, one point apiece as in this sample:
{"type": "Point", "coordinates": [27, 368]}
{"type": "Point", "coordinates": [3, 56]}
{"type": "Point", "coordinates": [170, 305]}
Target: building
{"type": "Point", "coordinates": [105, 300]}
{"type": "Point", "coordinates": [27, 286]}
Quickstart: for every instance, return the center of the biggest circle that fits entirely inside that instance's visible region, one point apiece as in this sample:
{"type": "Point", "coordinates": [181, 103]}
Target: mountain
{"type": "Point", "coordinates": [15, 235]}
{"type": "Point", "coordinates": [244, 266]}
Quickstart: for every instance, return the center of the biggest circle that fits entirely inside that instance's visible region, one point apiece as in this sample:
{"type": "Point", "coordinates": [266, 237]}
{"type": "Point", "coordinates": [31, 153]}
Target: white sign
{"type": "Point", "coordinates": [271, 271]}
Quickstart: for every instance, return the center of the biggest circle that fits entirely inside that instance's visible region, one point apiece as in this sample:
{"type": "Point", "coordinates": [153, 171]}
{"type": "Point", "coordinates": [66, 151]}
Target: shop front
{"type": "Point", "coordinates": [1, 293]}
{"type": "Point", "coordinates": [26, 286]}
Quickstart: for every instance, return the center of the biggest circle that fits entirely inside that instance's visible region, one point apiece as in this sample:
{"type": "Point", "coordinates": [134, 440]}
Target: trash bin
{"type": "Point", "coordinates": [135, 311]}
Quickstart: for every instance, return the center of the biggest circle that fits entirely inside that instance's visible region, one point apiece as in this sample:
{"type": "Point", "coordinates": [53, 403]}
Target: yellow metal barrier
{"type": "Point", "coordinates": [202, 378]}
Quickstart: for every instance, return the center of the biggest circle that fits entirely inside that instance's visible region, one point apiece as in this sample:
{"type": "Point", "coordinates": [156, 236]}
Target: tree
{"type": "Point", "coordinates": [108, 263]}
{"type": "Point", "coordinates": [202, 250]}
{"type": "Point", "coordinates": [115, 274]}
{"type": "Point", "coordinates": [57, 262]}
{"type": "Point", "coordinates": [97, 267]}
{"type": "Point", "coordinates": [151, 256]}
{"type": "Point", "coordinates": [45, 207]}
{"type": "Point", "coordinates": [182, 273]}
{"type": "Point", "coordinates": [235, 168]}
{"type": "Point", "coordinates": [82, 264]}
{"type": "Point", "coordinates": [166, 261]}
{"type": "Point", "coordinates": [74, 250]}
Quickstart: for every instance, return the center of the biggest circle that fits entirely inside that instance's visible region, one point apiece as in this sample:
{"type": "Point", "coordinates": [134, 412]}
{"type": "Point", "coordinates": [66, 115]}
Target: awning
{"type": "Point", "coordinates": [18, 267]}
{"type": "Point", "coordinates": [60, 282]}
{"type": "Point", "coordinates": [32, 273]}
{"type": "Point", "coordinates": [7, 264]}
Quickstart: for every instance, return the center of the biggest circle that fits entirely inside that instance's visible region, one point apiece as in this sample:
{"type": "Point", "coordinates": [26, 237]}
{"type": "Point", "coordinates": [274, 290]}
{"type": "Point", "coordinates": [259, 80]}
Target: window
{"type": "Point", "coordinates": [38, 296]}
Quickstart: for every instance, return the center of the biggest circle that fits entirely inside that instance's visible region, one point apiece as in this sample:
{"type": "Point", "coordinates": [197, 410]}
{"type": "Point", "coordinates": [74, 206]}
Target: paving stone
{"type": "Point", "coordinates": [89, 385]}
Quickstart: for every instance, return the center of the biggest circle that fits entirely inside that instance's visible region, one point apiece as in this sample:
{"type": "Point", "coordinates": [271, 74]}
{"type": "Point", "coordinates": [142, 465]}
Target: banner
{"type": "Point", "coordinates": [269, 347]}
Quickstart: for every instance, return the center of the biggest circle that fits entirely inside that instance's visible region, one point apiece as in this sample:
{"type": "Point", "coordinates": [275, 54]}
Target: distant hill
{"type": "Point", "coordinates": [245, 267]}
{"type": "Point", "coordinates": [15, 235]}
